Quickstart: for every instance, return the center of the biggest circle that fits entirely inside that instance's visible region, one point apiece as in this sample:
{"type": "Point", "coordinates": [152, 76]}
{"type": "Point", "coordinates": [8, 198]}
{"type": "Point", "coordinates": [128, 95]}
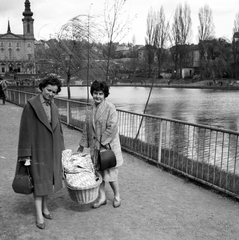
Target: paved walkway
{"type": "Point", "coordinates": [155, 204]}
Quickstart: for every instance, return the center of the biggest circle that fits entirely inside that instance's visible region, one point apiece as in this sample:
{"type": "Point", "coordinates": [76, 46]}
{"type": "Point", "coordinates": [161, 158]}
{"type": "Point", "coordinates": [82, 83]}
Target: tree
{"type": "Point", "coordinates": [206, 25]}
{"type": "Point", "coordinates": [205, 33]}
{"type": "Point", "coordinates": [150, 39]}
{"type": "Point", "coordinates": [217, 59]}
{"type": "Point", "coordinates": [179, 37]}
{"type": "Point", "coordinates": [235, 47]}
{"type": "Point", "coordinates": [161, 37]}
{"type": "Point", "coordinates": [236, 23]}
{"type": "Point", "coordinates": [72, 49]}
{"type": "Point", "coordinates": [117, 25]}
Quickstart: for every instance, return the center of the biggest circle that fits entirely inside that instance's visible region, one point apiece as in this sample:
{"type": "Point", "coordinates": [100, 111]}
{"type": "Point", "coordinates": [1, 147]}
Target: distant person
{"type": "Point", "coordinates": [3, 89]}
{"type": "Point", "coordinates": [41, 144]}
{"type": "Point", "coordinates": [102, 126]}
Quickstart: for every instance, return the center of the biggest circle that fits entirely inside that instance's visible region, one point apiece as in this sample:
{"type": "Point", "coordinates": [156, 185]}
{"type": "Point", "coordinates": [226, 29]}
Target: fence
{"type": "Point", "coordinates": [203, 153]}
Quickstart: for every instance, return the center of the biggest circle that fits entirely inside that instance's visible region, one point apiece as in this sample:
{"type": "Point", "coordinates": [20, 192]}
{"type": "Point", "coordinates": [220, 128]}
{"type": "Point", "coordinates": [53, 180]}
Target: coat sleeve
{"type": "Point", "coordinates": [85, 135]}
{"type": "Point", "coordinates": [111, 127]}
{"type": "Point", "coordinates": [62, 136]}
{"type": "Point", "coordinates": [25, 136]}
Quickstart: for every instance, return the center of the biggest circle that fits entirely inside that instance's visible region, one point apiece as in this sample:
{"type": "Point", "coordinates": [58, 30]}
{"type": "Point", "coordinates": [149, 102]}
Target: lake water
{"type": "Point", "coordinates": [202, 106]}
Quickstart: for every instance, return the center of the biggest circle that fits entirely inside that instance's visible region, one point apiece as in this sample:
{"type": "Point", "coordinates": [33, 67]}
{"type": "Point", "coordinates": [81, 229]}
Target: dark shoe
{"type": "Point", "coordinates": [116, 203]}
{"type": "Point", "coordinates": [99, 204]}
{"type": "Point", "coordinates": [47, 216]}
{"type": "Point", "coordinates": [40, 225]}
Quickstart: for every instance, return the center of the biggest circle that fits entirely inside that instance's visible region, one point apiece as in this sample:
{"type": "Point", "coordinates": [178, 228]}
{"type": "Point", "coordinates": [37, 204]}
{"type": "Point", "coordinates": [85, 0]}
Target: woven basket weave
{"type": "Point", "coordinates": [85, 195]}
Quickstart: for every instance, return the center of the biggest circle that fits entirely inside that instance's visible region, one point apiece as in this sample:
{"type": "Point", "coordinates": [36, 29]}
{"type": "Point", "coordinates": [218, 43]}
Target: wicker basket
{"type": "Point", "coordinates": [85, 195]}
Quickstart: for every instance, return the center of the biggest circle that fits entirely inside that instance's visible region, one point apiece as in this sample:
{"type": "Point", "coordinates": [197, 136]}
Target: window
{"type": "Point", "coordinates": [10, 53]}
{"type": "Point", "coordinates": [9, 45]}
{"type": "Point", "coordinates": [28, 28]}
{"type": "Point", "coordinates": [17, 46]}
{"type": "Point", "coordinates": [2, 45]}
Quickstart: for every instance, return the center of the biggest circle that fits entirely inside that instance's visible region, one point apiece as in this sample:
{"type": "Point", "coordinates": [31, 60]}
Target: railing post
{"type": "Point", "coordinates": [160, 141]}
{"type": "Point", "coordinates": [25, 99]}
{"type": "Point", "coordinates": [19, 98]}
{"type": "Point", "coordinates": [67, 112]}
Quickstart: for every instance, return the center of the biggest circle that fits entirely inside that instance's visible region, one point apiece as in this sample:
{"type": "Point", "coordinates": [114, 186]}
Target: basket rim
{"type": "Point", "coordinates": [85, 188]}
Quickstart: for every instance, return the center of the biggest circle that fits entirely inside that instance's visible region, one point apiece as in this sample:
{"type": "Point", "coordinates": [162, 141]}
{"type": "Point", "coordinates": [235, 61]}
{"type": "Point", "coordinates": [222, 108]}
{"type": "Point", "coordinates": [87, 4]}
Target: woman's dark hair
{"type": "Point", "coordinates": [100, 86]}
{"type": "Point", "coordinates": [50, 80]}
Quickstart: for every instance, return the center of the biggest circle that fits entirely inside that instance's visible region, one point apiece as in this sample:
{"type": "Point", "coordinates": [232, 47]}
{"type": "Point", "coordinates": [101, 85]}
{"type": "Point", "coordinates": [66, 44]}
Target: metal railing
{"type": "Point", "coordinates": [203, 153]}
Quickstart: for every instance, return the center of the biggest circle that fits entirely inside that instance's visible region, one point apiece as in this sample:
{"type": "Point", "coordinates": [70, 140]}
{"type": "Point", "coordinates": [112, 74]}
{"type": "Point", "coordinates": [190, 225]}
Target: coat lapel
{"type": "Point", "coordinates": [39, 110]}
{"type": "Point", "coordinates": [99, 111]}
{"type": "Point", "coordinates": [54, 116]}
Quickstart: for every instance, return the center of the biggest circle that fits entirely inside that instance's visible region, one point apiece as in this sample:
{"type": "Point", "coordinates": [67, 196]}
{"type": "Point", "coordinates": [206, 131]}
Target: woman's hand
{"type": "Point", "coordinates": [80, 149]}
{"type": "Point", "coordinates": [26, 160]}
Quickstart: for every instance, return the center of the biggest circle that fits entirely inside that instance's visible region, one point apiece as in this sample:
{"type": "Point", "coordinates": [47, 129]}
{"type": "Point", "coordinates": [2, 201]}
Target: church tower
{"type": "Point", "coordinates": [28, 31]}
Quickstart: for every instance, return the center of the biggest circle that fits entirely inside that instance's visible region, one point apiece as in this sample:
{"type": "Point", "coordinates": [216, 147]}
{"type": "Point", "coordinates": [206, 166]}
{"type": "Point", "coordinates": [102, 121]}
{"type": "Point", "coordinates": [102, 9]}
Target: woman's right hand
{"type": "Point", "coordinates": [80, 149]}
{"type": "Point", "coordinates": [26, 160]}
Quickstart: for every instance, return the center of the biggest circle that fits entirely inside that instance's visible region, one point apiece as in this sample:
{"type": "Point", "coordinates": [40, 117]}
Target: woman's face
{"type": "Point", "coordinates": [98, 97]}
{"type": "Point", "coordinates": [49, 92]}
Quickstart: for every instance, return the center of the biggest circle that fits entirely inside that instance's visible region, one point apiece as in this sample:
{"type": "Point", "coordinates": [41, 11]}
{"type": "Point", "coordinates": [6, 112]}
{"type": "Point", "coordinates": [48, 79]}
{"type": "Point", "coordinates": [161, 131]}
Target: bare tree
{"type": "Point", "coordinates": [117, 25]}
{"type": "Point", "coordinates": [180, 33]}
{"type": "Point", "coordinates": [235, 46]}
{"type": "Point", "coordinates": [161, 37]}
{"type": "Point", "coordinates": [236, 23]}
{"type": "Point", "coordinates": [205, 34]}
{"type": "Point", "coordinates": [150, 39]}
{"type": "Point", "coordinates": [206, 25]}
{"type": "Point", "coordinates": [71, 50]}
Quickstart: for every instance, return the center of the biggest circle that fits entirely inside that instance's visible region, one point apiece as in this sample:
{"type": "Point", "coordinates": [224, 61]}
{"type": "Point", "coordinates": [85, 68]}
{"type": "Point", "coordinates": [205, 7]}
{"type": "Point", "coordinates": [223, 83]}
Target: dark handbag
{"type": "Point", "coordinates": [22, 182]}
{"type": "Point", "coordinates": [106, 159]}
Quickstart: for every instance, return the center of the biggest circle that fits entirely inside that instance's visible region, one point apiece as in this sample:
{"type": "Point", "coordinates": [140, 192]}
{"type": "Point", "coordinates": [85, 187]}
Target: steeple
{"type": "Point", "coordinates": [27, 13]}
{"type": "Point", "coordinates": [28, 21]}
{"type": "Point", "coordinates": [8, 27]}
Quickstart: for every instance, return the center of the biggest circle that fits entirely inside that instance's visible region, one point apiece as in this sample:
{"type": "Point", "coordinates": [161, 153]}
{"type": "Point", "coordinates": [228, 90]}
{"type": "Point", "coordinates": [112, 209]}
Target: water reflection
{"type": "Point", "coordinates": [202, 106]}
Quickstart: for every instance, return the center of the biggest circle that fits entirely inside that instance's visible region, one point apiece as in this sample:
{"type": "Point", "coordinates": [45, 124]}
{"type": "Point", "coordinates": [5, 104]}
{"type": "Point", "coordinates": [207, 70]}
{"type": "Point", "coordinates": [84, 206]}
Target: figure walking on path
{"type": "Point", "coordinates": [3, 88]}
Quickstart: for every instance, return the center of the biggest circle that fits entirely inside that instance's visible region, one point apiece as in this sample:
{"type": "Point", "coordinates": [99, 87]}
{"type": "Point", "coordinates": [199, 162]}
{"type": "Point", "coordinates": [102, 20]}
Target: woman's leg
{"type": "Point", "coordinates": [44, 205]}
{"type": "Point", "coordinates": [38, 205]}
{"type": "Point", "coordinates": [115, 186]}
{"type": "Point", "coordinates": [102, 197]}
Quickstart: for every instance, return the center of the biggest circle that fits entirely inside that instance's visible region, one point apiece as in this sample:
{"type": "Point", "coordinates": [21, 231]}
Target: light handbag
{"type": "Point", "coordinates": [22, 182]}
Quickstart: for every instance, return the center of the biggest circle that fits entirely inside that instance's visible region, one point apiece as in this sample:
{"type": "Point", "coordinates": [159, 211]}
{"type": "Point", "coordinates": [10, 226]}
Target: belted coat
{"type": "Point", "coordinates": [43, 143]}
{"type": "Point", "coordinates": [102, 125]}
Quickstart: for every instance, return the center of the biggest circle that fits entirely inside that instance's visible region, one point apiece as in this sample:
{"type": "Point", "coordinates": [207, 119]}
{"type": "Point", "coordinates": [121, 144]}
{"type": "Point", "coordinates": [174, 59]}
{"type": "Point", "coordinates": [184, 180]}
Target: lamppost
{"type": "Point", "coordinates": [88, 57]}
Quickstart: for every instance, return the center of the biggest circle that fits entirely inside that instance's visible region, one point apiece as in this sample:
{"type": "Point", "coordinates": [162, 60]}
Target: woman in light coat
{"type": "Point", "coordinates": [40, 145]}
{"type": "Point", "coordinates": [102, 126]}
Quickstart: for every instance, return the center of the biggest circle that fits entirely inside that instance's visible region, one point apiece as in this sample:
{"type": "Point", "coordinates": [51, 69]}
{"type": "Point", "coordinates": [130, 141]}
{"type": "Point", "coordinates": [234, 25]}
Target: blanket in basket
{"type": "Point", "coordinates": [79, 169]}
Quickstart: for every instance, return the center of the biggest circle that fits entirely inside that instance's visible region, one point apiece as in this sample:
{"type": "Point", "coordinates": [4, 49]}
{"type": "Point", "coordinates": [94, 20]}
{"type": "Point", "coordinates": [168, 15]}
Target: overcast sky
{"type": "Point", "coordinates": [49, 15]}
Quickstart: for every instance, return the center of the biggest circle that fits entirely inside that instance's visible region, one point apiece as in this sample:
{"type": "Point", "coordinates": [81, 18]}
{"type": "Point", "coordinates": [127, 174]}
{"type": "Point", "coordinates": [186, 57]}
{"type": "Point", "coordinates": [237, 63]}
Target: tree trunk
{"type": "Point", "coordinates": [68, 87]}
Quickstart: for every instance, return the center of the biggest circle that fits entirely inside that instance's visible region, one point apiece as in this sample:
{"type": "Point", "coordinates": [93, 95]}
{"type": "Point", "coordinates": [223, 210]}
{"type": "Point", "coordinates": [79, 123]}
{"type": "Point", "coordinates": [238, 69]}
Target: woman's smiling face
{"type": "Point", "coordinates": [98, 97]}
{"type": "Point", "coordinates": [49, 92]}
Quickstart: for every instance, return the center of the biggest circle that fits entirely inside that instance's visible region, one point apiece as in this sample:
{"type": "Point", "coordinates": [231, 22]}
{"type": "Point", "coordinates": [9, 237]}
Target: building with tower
{"type": "Point", "coordinates": [17, 50]}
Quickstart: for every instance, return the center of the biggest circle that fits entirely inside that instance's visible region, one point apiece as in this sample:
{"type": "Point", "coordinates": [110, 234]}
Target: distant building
{"type": "Point", "coordinates": [122, 52]}
{"type": "Point", "coordinates": [17, 50]}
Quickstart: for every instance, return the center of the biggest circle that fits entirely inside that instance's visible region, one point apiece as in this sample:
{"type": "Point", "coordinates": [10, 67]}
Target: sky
{"type": "Point", "coordinates": [50, 15]}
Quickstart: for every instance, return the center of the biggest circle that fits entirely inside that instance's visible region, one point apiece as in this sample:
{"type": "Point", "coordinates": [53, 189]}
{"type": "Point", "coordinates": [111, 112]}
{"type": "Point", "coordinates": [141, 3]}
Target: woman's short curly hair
{"type": "Point", "coordinates": [50, 80]}
{"type": "Point", "coordinates": [100, 86]}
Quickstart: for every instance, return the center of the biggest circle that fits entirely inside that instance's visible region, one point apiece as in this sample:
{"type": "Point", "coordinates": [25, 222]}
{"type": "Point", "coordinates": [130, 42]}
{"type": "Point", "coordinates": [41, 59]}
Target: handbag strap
{"type": "Point", "coordinates": [101, 143]}
{"type": "Point", "coordinates": [22, 166]}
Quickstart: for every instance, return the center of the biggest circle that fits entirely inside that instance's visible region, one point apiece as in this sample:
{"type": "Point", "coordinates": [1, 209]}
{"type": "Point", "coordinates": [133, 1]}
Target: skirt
{"type": "Point", "coordinates": [109, 175]}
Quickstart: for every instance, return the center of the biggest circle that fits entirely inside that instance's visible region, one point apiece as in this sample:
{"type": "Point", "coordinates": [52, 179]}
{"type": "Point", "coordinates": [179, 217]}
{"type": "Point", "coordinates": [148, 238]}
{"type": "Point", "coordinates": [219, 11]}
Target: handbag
{"type": "Point", "coordinates": [22, 182]}
{"type": "Point", "coordinates": [106, 158]}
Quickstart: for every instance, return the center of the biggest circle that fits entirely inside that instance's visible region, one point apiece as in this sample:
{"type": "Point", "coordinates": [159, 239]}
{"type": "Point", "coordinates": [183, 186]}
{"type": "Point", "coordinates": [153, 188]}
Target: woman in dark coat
{"type": "Point", "coordinates": [41, 144]}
